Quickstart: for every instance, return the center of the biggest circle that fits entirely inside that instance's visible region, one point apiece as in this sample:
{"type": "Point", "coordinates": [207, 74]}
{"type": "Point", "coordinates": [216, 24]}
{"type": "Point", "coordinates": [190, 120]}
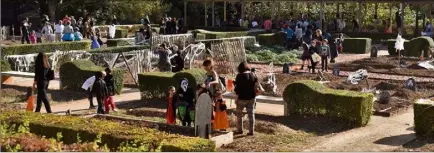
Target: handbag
{"type": "Point", "coordinates": [316, 57]}
{"type": "Point", "coordinates": [50, 74]}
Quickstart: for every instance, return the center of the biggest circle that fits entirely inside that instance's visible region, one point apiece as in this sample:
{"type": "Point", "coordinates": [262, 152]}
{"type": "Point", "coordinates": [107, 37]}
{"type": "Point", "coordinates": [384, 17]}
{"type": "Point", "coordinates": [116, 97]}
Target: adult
{"type": "Point", "coordinates": [162, 26]}
{"type": "Point", "coordinates": [59, 31]}
{"type": "Point", "coordinates": [140, 36]}
{"type": "Point", "coordinates": [181, 25]}
{"type": "Point", "coordinates": [41, 82]}
{"type": "Point", "coordinates": [47, 30]}
{"type": "Point", "coordinates": [80, 24]}
{"type": "Point", "coordinates": [87, 32]}
{"type": "Point", "coordinates": [318, 37]}
{"type": "Point", "coordinates": [164, 59]}
{"type": "Point", "coordinates": [68, 32]}
{"type": "Point", "coordinates": [87, 85]}
{"type": "Point", "coordinates": [341, 24]}
{"type": "Point", "coordinates": [177, 61]}
{"type": "Point", "coordinates": [356, 26]}
{"type": "Point", "coordinates": [398, 20]}
{"type": "Point", "coordinates": [428, 29]}
{"type": "Point", "coordinates": [146, 20]}
{"type": "Point", "coordinates": [246, 85]}
{"type": "Point", "coordinates": [148, 32]}
{"type": "Point", "coordinates": [255, 24]}
{"type": "Point", "coordinates": [112, 31]}
{"type": "Point", "coordinates": [73, 22]}
{"type": "Point", "coordinates": [268, 25]}
{"type": "Point", "coordinates": [66, 19]}
{"type": "Point", "coordinates": [25, 31]}
{"type": "Point", "coordinates": [115, 20]}
{"type": "Point", "coordinates": [308, 34]}
{"type": "Point", "coordinates": [298, 32]}
{"type": "Point", "coordinates": [289, 35]}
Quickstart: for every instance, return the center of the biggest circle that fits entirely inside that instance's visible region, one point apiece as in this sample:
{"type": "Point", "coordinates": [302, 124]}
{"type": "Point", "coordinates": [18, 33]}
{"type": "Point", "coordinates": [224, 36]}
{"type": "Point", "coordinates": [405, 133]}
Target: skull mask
{"type": "Point", "coordinates": [184, 84]}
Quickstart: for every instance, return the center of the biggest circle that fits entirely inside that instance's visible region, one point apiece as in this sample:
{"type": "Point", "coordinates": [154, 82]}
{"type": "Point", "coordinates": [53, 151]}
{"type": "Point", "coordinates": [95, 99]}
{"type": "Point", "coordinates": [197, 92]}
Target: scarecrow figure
{"type": "Point", "coordinates": [185, 97]}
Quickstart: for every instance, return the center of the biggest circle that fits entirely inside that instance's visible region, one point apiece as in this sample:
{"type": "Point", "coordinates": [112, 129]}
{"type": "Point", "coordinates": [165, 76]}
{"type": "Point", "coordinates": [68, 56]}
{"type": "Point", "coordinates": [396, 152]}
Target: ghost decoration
{"type": "Point", "coordinates": [184, 85]}
{"type": "Point", "coordinates": [399, 44]}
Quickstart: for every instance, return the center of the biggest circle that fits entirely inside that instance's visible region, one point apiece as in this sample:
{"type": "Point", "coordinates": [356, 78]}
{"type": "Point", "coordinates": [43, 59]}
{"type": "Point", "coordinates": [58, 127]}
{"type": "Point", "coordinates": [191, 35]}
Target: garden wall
{"type": "Point", "coordinates": [113, 134]}
{"type": "Point", "coordinates": [309, 97]}
{"type": "Point", "coordinates": [424, 117]}
{"type": "Point", "coordinates": [74, 74]}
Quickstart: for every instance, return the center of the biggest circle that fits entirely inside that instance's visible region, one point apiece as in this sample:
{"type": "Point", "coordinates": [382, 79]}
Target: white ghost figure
{"type": "Point", "coordinates": [184, 85]}
{"type": "Point", "coordinates": [399, 44]}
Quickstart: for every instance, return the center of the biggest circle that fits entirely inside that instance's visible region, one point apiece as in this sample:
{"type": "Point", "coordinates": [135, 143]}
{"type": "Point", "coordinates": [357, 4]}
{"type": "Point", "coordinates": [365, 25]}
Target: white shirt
{"type": "Point", "coordinates": [112, 31]}
{"type": "Point", "coordinates": [47, 30]}
{"type": "Point", "coordinates": [254, 24]}
{"type": "Point", "coordinates": [59, 28]}
{"type": "Point", "coordinates": [88, 83]}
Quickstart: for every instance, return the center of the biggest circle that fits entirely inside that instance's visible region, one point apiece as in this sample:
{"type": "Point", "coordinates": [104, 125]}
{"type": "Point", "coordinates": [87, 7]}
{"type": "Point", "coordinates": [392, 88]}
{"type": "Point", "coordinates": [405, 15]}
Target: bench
{"type": "Point", "coordinates": [263, 99]}
{"type": "Point", "coordinates": [6, 77]}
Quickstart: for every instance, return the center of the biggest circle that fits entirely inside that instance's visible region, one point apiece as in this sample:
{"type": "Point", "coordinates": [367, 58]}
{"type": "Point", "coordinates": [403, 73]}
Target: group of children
{"type": "Point", "coordinates": [101, 85]}
{"type": "Point", "coordinates": [182, 102]}
{"type": "Point", "coordinates": [36, 36]}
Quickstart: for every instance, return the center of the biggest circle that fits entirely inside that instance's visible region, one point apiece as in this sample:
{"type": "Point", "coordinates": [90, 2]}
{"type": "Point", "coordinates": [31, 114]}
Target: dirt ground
{"type": "Point", "coordinates": [423, 144]}
{"type": "Point", "coordinates": [387, 65]}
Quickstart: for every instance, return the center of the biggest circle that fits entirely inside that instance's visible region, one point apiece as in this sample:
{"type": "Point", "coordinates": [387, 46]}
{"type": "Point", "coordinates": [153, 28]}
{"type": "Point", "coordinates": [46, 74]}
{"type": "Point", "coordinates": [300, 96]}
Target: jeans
{"type": "Point", "coordinates": [324, 63]}
{"type": "Point", "coordinates": [250, 107]}
{"type": "Point", "coordinates": [42, 87]}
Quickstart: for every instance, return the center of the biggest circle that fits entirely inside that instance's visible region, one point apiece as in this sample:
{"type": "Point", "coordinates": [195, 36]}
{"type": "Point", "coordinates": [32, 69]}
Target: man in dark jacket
{"type": "Point", "coordinates": [100, 90]}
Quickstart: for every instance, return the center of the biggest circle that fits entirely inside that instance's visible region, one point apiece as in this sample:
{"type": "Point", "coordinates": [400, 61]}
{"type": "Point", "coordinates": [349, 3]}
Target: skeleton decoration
{"type": "Point", "coordinates": [270, 86]}
{"type": "Point", "coordinates": [356, 77]}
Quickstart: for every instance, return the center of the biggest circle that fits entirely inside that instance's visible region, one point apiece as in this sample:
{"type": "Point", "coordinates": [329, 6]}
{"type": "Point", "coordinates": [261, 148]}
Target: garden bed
{"type": "Point", "coordinates": [387, 65]}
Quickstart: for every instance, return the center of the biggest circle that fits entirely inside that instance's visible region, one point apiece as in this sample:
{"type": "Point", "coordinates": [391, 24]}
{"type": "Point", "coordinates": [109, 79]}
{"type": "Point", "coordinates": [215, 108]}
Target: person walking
{"type": "Point", "coordinates": [59, 31]}
{"type": "Point", "coordinates": [164, 59]}
{"type": "Point", "coordinates": [25, 31]}
{"type": "Point", "coordinates": [41, 81]}
{"type": "Point", "coordinates": [100, 90]}
{"type": "Point", "coordinates": [87, 85]}
{"type": "Point", "coordinates": [47, 30]}
{"type": "Point", "coordinates": [110, 82]}
{"type": "Point", "coordinates": [246, 85]}
{"type": "Point", "coordinates": [68, 32]}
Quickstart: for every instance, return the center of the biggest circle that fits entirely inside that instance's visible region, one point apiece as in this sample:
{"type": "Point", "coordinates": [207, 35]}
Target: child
{"type": "Point", "coordinates": [33, 37]}
{"type": "Point", "coordinates": [339, 42]}
{"type": "Point", "coordinates": [98, 37]}
{"type": "Point", "coordinates": [325, 54]}
{"type": "Point", "coordinates": [221, 121]}
{"type": "Point", "coordinates": [100, 90]}
{"type": "Point", "coordinates": [185, 97]}
{"type": "Point", "coordinates": [312, 50]}
{"type": "Point", "coordinates": [305, 56]}
{"type": "Point", "coordinates": [95, 43]}
{"type": "Point", "coordinates": [77, 35]}
{"type": "Point", "coordinates": [38, 36]}
{"type": "Point", "coordinates": [171, 107]}
{"type": "Point", "coordinates": [111, 91]}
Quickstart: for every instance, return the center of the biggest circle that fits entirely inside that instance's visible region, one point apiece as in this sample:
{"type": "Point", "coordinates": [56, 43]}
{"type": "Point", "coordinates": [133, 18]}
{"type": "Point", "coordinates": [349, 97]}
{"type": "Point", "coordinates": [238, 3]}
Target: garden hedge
{"type": "Point", "coordinates": [114, 134]}
{"type": "Point", "coordinates": [357, 45]}
{"type": "Point", "coordinates": [309, 97]}
{"type": "Point", "coordinates": [73, 74]}
{"type": "Point", "coordinates": [414, 47]}
{"type": "Point", "coordinates": [119, 49]}
{"type": "Point", "coordinates": [117, 42]}
{"type": "Point", "coordinates": [219, 35]}
{"type": "Point", "coordinates": [249, 41]}
{"type": "Point", "coordinates": [424, 117]}
{"type": "Point", "coordinates": [272, 39]}
{"type": "Point", "coordinates": [5, 66]}
{"type": "Point", "coordinates": [155, 85]}
{"type": "Point", "coordinates": [376, 37]}
{"type": "Point", "coordinates": [46, 47]}
{"type": "Point", "coordinates": [121, 33]}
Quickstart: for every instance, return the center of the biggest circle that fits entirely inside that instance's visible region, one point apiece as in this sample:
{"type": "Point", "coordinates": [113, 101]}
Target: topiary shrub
{"type": "Point", "coordinates": [272, 39]}
{"type": "Point", "coordinates": [413, 47]}
{"type": "Point", "coordinates": [73, 74]}
{"type": "Point", "coordinates": [357, 45]}
{"type": "Point", "coordinates": [5, 66]}
{"type": "Point", "coordinates": [194, 77]}
{"type": "Point", "coordinates": [376, 37]}
{"type": "Point", "coordinates": [117, 136]}
{"type": "Point", "coordinates": [121, 33]}
{"type": "Point", "coordinates": [251, 58]}
{"type": "Point", "coordinates": [249, 41]}
{"type": "Point", "coordinates": [119, 49]}
{"type": "Point", "coordinates": [46, 48]}
{"type": "Point", "coordinates": [309, 97]}
{"type": "Point", "coordinates": [391, 46]}
{"type": "Point", "coordinates": [117, 42]}
{"type": "Point", "coordinates": [155, 85]}
{"type": "Point", "coordinates": [424, 117]}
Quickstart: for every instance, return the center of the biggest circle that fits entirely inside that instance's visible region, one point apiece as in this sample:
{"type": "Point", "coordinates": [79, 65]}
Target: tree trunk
{"type": "Point", "coordinates": [416, 30]}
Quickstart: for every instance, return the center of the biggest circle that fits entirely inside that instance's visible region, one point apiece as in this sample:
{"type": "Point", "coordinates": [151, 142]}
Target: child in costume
{"type": "Point", "coordinates": [185, 99]}
{"type": "Point", "coordinates": [33, 37]}
{"type": "Point", "coordinates": [171, 107]}
{"type": "Point", "coordinates": [221, 121]}
{"type": "Point", "coordinates": [110, 82]}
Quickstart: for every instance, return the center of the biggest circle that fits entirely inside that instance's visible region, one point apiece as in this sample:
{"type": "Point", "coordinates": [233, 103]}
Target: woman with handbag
{"type": "Point", "coordinates": [247, 88]}
{"type": "Point", "coordinates": [43, 75]}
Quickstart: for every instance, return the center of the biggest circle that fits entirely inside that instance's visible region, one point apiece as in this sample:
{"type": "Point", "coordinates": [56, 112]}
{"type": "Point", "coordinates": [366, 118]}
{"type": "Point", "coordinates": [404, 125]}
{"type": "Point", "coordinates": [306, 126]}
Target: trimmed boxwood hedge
{"type": "Point", "coordinates": [424, 117]}
{"type": "Point", "coordinates": [155, 85]}
{"type": "Point", "coordinates": [119, 49]}
{"type": "Point", "coordinates": [117, 42]}
{"type": "Point", "coordinates": [376, 37]}
{"type": "Point", "coordinates": [114, 134]}
{"type": "Point", "coordinates": [357, 45]}
{"type": "Point", "coordinates": [309, 97]}
{"type": "Point", "coordinates": [46, 48]}
{"type": "Point", "coordinates": [412, 48]}
{"type": "Point", "coordinates": [73, 74]}
{"type": "Point", "coordinates": [219, 35]}
{"type": "Point", "coordinates": [121, 33]}
{"type": "Point", "coordinates": [272, 39]}
{"type": "Point", "coordinates": [5, 66]}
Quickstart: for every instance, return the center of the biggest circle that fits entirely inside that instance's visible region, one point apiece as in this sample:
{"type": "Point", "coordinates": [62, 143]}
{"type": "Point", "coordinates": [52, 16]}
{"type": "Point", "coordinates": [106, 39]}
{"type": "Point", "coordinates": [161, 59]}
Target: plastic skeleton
{"type": "Point", "coordinates": [270, 85]}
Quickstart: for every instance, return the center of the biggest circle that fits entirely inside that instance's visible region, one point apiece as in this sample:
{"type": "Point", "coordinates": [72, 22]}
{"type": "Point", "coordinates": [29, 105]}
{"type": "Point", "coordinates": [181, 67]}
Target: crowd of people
{"type": "Point", "coordinates": [171, 25]}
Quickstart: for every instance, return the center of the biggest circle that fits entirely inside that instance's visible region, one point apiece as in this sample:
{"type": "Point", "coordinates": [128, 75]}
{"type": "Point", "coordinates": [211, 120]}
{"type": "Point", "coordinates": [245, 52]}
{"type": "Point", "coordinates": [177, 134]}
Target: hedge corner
{"type": "Point", "coordinates": [424, 117]}
{"type": "Point", "coordinates": [357, 45]}
{"type": "Point", "coordinates": [121, 33]}
{"type": "Point", "coordinates": [194, 77]}
{"type": "Point", "coordinates": [309, 97]}
{"type": "Point", "coordinates": [154, 85]}
{"type": "Point", "coordinates": [73, 74]}
{"type": "Point", "coordinates": [5, 66]}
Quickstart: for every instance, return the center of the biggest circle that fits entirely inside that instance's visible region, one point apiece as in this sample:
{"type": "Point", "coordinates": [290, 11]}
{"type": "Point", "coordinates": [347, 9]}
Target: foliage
{"type": "Point", "coordinates": [74, 74]}
{"type": "Point", "coordinates": [424, 118]}
{"type": "Point", "coordinates": [357, 45]}
{"type": "Point", "coordinates": [194, 77]}
{"type": "Point", "coordinates": [275, 54]}
{"type": "Point", "coordinates": [46, 48]}
{"type": "Point", "coordinates": [115, 135]}
{"type": "Point", "coordinates": [5, 66]}
{"type": "Point", "coordinates": [117, 42]}
{"type": "Point", "coordinates": [121, 33]}
{"type": "Point", "coordinates": [220, 35]}
{"type": "Point", "coordinates": [309, 97]}
{"type": "Point", "coordinates": [272, 39]}
{"type": "Point", "coordinates": [251, 58]}
{"type": "Point", "coordinates": [118, 49]}
{"type": "Point", "coordinates": [377, 37]}
{"type": "Point", "coordinates": [155, 85]}
{"type": "Point", "coordinates": [412, 48]}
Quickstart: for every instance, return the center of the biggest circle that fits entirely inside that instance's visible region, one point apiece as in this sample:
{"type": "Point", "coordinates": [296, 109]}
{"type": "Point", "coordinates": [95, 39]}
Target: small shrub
{"type": "Point", "coordinates": [121, 33]}
{"type": "Point", "coordinates": [117, 42]}
{"type": "Point", "coordinates": [357, 45]}
{"type": "Point", "coordinates": [252, 58]}
{"type": "Point", "coordinates": [5, 66]}
{"type": "Point", "coordinates": [286, 57]}
{"type": "Point", "coordinates": [155, 85]}
{"type": "Point", "coordinates": [265, 55]}
{"type": "Point", "coordinates": [119, 49]}
{"type": "Point", "coordinates": [309, 97]}
{"type": "Point", "coordinates": [424, 117]}
{"type": "Point", "coordinates": [73, 74]}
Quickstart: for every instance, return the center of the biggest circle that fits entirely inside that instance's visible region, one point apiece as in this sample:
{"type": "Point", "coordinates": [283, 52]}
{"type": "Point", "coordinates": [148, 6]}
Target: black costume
{"type": "Point", "coordinates": [100, 90]}
{"type": "Point", "coordinates": [185, 99]}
